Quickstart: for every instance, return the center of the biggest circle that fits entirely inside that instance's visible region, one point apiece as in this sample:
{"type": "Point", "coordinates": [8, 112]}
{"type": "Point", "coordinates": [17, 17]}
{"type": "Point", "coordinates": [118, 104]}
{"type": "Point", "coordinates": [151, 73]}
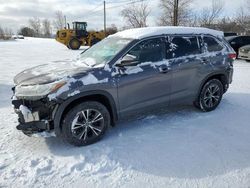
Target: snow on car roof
{"type": "Point", "coordinates": [139, 33]}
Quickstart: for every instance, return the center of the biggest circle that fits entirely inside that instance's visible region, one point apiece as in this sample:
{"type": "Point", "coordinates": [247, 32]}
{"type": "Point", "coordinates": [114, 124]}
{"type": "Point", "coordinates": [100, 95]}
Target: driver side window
{"type": "Point", "coordinates": [151, 50]}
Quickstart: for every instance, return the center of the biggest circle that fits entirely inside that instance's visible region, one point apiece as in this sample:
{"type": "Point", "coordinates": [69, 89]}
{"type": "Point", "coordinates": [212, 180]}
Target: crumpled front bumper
{"type": "Point", "coordinates": [33, 116]}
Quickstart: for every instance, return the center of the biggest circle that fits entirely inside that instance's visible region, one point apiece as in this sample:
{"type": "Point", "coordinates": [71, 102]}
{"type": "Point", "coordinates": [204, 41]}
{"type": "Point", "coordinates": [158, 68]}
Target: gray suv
{"type": "Point", "coordinates": [128, 73]}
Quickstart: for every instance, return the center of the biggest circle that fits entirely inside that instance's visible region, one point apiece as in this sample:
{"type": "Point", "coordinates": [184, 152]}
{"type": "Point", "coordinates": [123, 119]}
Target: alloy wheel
{"type": "Point", "coordinates": [212, 96]}
{"type": "Point", "coordinates": [87, 124]}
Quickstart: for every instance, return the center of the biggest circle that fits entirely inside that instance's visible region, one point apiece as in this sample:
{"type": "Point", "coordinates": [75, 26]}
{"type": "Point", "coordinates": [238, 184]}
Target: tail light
{"type": "Point", "coordinates": [232, 56]}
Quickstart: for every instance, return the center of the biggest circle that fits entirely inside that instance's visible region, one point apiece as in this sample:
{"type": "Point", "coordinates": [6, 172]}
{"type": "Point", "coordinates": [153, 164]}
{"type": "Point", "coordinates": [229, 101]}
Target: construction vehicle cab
{"type": "Point", "coordinates": [80, 29]}
{"type": "Point", "coordinates": [78, 35]}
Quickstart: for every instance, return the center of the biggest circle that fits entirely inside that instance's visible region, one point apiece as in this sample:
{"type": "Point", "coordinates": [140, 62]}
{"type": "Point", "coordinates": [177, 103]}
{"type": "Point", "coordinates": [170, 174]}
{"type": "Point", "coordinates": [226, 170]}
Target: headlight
{"type": "Point", "coordinates": [38, 90]}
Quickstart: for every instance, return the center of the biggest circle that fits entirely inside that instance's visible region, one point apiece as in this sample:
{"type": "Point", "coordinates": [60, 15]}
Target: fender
{"type": "Point", "coordinates": [209, 76]}
{"type": "Point", "coordinates": [64, 104]}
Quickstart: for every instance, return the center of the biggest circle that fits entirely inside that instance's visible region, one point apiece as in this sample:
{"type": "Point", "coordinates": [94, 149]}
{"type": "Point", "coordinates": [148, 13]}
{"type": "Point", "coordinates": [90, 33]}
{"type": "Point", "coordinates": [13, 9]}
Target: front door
{"type": "Point", "coordinates": [147, 84]}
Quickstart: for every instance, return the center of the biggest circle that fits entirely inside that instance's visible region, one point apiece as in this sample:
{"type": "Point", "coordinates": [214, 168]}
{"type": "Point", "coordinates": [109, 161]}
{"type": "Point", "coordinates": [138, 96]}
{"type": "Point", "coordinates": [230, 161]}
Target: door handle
{"type": "Point", "coordinates": [204, 60]}
{"type": "Point", "coordinates": [164, 70]}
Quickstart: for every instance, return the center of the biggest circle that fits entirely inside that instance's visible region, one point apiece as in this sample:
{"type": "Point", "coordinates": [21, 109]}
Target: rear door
{"type": "Point", "coordinates": [186, 66]}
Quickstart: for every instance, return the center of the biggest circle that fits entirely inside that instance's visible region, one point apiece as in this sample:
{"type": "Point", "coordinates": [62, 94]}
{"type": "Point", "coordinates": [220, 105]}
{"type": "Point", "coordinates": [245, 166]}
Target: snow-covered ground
{"type": "Point", "coordinates": [180, 148]}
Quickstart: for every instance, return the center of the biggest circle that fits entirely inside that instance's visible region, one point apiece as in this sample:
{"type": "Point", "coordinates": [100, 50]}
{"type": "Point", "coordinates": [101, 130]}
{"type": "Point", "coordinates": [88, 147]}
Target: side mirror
{"type": "Point", "coordinates": [128, 60]}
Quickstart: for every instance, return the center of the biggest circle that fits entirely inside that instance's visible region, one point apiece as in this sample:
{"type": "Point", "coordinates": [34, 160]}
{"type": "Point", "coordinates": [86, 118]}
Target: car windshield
{"type": "Point", "coordinates": [103, 51]}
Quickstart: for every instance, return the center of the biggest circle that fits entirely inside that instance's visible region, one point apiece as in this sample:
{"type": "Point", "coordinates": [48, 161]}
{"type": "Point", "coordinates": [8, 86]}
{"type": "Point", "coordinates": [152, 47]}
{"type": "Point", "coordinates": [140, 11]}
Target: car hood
{"type": "Point", "coordinates": [51, 72]}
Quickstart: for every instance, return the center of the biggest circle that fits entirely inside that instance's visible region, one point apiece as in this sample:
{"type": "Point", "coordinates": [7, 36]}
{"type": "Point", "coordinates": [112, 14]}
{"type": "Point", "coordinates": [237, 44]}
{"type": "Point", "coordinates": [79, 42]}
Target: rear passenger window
{"type": "Point", "coordinates": [151, 50]}
{"type": "Point", "coordinates": [182, 46]}
{"type": "Point", "coordinates": [211, 45]}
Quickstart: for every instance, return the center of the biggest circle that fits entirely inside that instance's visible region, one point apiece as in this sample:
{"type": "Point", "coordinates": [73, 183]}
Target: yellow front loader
{"type": "Point", "coordinates": [78, 36]}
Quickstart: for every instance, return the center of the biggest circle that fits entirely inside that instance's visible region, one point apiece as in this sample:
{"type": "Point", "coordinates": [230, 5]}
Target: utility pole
{"type": "Point", "coordinates": [65, 22]}
{"type": "Point", "coordinates": [104, 6]}
{"type": "Point", "coordinates": [176, 9]}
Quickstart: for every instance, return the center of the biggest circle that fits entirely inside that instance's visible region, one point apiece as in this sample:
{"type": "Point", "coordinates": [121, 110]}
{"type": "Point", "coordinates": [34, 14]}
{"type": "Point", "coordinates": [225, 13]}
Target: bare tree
{"type": "Point", "coordinates": [209, 15]}
{"type": "Point", "coordinates": [136, 15]}
{"type": "Point", "coordinates": [35, 24]}
{"type": "Point", "coordinates": [8, 32]}
{"type": "Point", "coordinates": [5, 33]}
{"type": "Point", "coordinates": [46, 28]}
{"type": "Point", "coordinates": [193, 20]}
{"type": "Point", "coordinates": [227, 24]}
{"type": "Point", "coordinates": [26, 31]}
{"type": "Point", "coordinates": [242, 20]}
{"type": "Point", "coordinates": [112, 29]}
{"type": "Point", "coordinates": [59, 20]}
{"type": "Point", "coordinates": [1, 33]}
{"type": "Point", "coordinates": [168, 8]}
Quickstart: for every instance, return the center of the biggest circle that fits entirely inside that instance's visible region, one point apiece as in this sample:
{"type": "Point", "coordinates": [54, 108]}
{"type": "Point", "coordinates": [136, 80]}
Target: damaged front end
{"type": "Point", "coordinates": [34, 115]}
{"type": "Point", "coordinates": [38, 93]}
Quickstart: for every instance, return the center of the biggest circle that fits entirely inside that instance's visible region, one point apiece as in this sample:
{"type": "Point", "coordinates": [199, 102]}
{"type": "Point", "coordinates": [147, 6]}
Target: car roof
{"type": "Point", "coordinates": [230, 38]}
{"type": "Point", "coordinates": [139, 33]}
{"type": "Point", "coordinates": [246, 46]}
{"type": "Point", "coordinates": [233, 37]}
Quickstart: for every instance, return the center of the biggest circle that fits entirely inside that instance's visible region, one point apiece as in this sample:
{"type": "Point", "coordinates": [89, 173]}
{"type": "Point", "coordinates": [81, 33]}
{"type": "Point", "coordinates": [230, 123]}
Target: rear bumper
{"type": "Point", "coordinates": [230, 71]}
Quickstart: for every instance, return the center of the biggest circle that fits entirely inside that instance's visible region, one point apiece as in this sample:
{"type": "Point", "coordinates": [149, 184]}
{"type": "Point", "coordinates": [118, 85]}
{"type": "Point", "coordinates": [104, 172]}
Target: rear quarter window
{"type": "Point", "coordinates": [211, 45]}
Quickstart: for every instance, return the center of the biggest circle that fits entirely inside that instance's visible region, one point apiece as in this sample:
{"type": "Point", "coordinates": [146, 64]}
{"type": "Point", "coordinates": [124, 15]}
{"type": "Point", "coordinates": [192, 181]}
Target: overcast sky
{"type": "Point", "coordinates": [15, 13]}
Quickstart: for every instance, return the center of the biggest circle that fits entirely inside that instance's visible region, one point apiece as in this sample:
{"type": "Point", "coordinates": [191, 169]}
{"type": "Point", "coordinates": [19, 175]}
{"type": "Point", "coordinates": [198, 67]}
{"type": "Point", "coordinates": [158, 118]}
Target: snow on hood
{"type": "Point", "coordinates": [49, 72]}
{"type": "Point", "coordinates": [86, 80]}
{"type": "Point", "coordinates": [139, 33]}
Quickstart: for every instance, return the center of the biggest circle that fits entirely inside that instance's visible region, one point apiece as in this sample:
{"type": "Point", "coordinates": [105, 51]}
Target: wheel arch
{"type": "Point", "coordinates": [221, 76]}
{"type": "Point", "coordinates": [100, 96]}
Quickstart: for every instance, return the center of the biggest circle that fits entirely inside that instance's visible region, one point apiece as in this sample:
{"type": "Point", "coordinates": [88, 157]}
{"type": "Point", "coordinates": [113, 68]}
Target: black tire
{"type": "Point", "coordinates": [74, 44]}
{"type": "Point", "coordinates": [85, 123]}
{"type": "Point", "coordinates": [210, 96]}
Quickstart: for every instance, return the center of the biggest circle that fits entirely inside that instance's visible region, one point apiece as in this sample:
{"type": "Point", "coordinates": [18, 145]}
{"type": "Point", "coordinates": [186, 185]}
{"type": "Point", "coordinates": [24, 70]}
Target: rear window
{"type": "Point", "coordinates": [246, 40]}
{"type": "Point", "coordinates": [180, 46]}
{"type": "Point", "coordinates": [211, 45]}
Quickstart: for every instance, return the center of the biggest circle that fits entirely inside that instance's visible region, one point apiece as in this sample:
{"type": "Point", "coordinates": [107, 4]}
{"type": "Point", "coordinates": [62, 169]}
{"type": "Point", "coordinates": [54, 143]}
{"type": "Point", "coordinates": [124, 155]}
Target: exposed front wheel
{"type": "Point", "coordinates": [210, 95]}
{"type": "Point", "coordinates": [85, 123]}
